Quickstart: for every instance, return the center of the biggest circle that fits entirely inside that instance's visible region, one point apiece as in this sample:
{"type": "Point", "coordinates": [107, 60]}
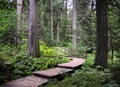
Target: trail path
{"type": "Point", "coordinates": [41, 77]}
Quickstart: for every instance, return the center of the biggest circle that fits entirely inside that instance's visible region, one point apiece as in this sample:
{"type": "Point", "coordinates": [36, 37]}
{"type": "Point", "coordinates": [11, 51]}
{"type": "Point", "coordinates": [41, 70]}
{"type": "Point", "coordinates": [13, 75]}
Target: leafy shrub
{"type": "Point", "coordinates": [52, 52]}
{"type": "Point", "coordinates": [90, 60]}
{"type": "Point", "coordinates": [9, 51]}
{"type": "Point", "coordinates": [116, 73]}
{"type": "Point", "coordinates": [7, 28]}
{"type": "Point", "coordinates": [2, 68]}
{"type": "Point", "coordinates": [47, 52]}
{"type": "Point", "coordinates": [63, 51]}
{"type": "Point", "coordinates": [86, 77]}
{"type": "Point", "coordinates": [111, 84]}
{"type": "Point", "coordinates": [24, 65]}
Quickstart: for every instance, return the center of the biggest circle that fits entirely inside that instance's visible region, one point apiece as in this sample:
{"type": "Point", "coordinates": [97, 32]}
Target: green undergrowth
{"type": "Point", "coordinates": [86, 77]}
{"type": "Point", "coordinates": [23, 65]}
{"type": "Point", "coordinates": [90, 77]}
{"type": "Point", "coordinates": [89, 60]}
{"type": "Point", "coordinates": [116, 73]}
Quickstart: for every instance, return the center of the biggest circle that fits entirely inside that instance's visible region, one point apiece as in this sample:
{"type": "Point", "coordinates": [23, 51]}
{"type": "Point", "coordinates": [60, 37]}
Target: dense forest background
{"type": "Point", "coordinates": [39, 34]}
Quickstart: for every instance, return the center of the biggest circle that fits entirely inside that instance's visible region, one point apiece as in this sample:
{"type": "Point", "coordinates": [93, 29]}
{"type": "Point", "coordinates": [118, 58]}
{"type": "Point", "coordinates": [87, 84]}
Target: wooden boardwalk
{"type": "Point", "coordinates": [76, 62]}
{"type": "Point", "coordinates": [29, 81]}
{"type": "Point", "coordinates": [50, 73]}
{"type": "Point", "coordinates": [41, 77]}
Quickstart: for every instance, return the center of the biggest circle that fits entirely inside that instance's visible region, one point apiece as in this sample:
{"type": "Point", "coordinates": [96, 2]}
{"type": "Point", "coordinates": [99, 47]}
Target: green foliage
{"type": "Point", "coordinates": [2, 68]}
{"type": "Point", "coordinates": [24, 65]}
{"type": "Point", "coordinates": [7, 27]}
{"type": "Point", "coordinates": [116, 73]}
{"type": "Point", "coordinates": [62, 51]}
{"type": "Point", "coordinates": [8, 51]}
{"type": "Point", "coordinates": [47, 52]}
{"type": "Point", "coordinates": [86, 28]}
{"type": "Point", "coordinates": [7, 5]}
{"type": "Point", "coordinates": [111, 84]}
{"type": "Point", "coordinates": [114, 28]}
{"type": "Point", "coordinates": [90, 60]}
{"type": "Point", "coordinates": [86, 77]}
{"type": "Point", "coordinates": [53, 51]}
{"type": "Point", "coordinates": [114, 59]}
{"type": "Point", "coordinates": [89, 77]}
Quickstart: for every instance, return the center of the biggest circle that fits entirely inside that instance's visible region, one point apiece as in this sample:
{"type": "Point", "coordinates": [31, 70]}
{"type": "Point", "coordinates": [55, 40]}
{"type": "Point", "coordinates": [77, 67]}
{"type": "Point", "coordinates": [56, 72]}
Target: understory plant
{"type": "Point", "coordinates": [23, 65]}
{"type": "Point", "coordinates": [86, 77]}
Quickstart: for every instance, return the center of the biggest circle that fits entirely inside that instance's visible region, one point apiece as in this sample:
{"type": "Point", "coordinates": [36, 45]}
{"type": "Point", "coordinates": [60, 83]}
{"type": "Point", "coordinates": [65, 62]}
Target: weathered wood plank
{"type": "Point", "coordinates": [76, 62]}
{"type": "Point", "coordinates": [29, 81]}
{"type": "Point", "coordinates": [50, 73]}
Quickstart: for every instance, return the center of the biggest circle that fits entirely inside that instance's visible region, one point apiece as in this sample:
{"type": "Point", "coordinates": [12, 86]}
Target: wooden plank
{"type": "Point", "coordinates": [29, 81]}
{"type": "Point", "coordinates": [50, 73]}
{"type": "Point", "coordinates": [74, 63]}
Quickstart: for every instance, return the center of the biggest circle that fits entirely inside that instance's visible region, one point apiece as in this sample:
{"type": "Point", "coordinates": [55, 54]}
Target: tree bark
{"type": "Point", "coordinates": [102, 34]}
{"type": "Point", "coordinates": [33, 41]}
{"type": "Point", "coordinates": [74, 25]}
{"type": "Point", "coordinates": [66, 2]}
{"type": "Point", "coordinates": [51, 19]}
{"type": "Point", "coordinates": [58, 26]}
{"type": "Point", "coordinates": [19, 21]}
{"type": "Point", "coordinates": [58, 23]}
{"type": "Point", "coordinates": [41, 15]}
{"type": "Point", "coordinates": [66, 23]}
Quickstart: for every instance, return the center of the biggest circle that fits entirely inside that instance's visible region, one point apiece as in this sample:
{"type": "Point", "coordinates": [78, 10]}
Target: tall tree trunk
{"type": "Point", "coordinates": [92, 17]}
{"type": "Point", "coordinates": [74, 25]}
{"type": "Point", "coordinates": [52, 19]}
{"type": "Point", "coordinates": [112, 51]}
{"type": "Point", "coordinates": [33, 41]}
{"type": "Point", "coordinates": [41, 15]}
{"type": "Point", "coordinates": [111, 45]}
{"type": "Point", "coordinates": [58, 25]}
{"type": "Point", "coordinates": [102, 34]}
{"type": "Point", "coordinates": [66, 26]}
{"type": "Point", "coordinates": [19, 21]}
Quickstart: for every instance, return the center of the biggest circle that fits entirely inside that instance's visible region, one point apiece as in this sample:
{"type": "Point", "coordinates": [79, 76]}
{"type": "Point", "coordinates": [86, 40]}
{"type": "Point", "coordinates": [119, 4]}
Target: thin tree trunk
{"type": "Point", "coordinates": [102, 34]}
{"type": "Point", "coordinates": [74, 25]}
{"type": "Point", "coordinates": [19, 21]}
{"type": "Point", "coordinates": [66, 26]}
{"type": "Point", "coordinates": [58, 25]}
{"type": "Point", "coordinates": [33, 41]}
{"type": "Point", "coordinates": [92, 17]}
{"type": "Point", "coordinates": [51, 19]}
{"type": "Point", "coordinates": [58, 31]}
{"type": "Point", "coordinates": [41, 15]}
{"type": "Point", "coordinates": [112, 48]}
